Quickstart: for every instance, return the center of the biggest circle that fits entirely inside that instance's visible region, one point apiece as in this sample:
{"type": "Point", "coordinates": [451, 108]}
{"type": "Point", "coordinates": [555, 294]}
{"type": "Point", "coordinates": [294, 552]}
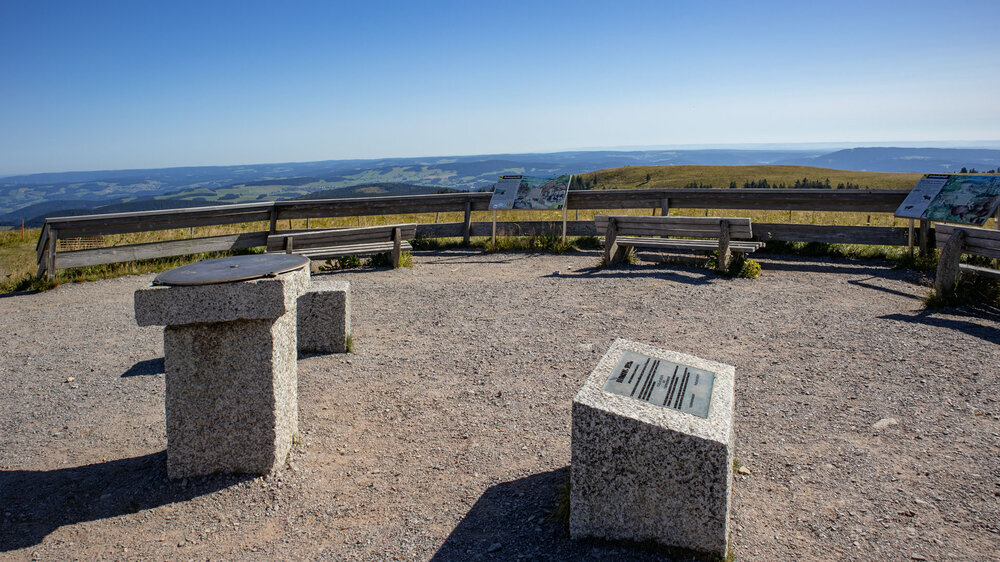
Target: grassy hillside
{"type": "Point", "coordinates": [676, 177]}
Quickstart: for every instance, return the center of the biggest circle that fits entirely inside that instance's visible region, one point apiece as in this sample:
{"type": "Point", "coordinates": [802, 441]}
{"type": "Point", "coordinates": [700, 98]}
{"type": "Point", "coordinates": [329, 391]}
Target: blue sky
{"type": "Point", "coordinates": [102, 85]}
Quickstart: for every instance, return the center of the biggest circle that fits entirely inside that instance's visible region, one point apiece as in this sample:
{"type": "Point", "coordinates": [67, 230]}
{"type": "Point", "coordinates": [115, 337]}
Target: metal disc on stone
{"type": "Point", "coordinates": [235, 268]}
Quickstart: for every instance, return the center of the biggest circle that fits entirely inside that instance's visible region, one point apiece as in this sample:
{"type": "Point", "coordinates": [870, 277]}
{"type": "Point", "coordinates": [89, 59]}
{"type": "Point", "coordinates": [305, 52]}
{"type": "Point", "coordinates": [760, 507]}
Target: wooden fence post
{"type": "Point", "coordinates": [664, 206]}
{"type": "Point", "coordinates": [948, 271]}
{"type": "Point", "coordinates": [925, 232]}
{"type": "Point", "coordinates": [50, 254]}
{"type": "Point", "coordinates": [274, 220]}
{"type": "Point", "coordinates": [467, 228]}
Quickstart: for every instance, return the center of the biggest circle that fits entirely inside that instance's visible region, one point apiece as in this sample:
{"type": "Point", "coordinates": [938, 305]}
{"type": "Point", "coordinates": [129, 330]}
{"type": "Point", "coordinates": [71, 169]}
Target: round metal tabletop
{"type": "Point", "coordinates": [228, 270]}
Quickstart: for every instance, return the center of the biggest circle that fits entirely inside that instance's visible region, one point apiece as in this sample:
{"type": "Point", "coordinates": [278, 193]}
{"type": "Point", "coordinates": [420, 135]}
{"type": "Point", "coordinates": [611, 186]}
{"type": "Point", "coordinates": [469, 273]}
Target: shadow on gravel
{"type": "Point", "coordinates": [987, 333]}
{"type": "Point", "coordinates": [677, 274]}
{"type": "Point", "coordinates": [513, 520]}
{"type": "Point", "coordinates": [866, 285]}
{"type": "Point", "coordinates": [35, 503]}
{"type": "Point", "coordinates": [872, 268]}
{"type": "Point", "coordinates": [145, 368]}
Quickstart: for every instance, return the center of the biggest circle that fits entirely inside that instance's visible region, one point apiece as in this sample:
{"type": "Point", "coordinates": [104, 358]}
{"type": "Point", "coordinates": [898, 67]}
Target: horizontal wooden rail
{"type": "Point", "coordinates": [862, 201]}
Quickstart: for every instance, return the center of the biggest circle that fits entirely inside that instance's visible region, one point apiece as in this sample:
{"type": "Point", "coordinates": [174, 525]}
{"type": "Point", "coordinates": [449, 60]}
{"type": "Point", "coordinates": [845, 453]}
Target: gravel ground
{"type": "Point", "coordinates": [871, 430]}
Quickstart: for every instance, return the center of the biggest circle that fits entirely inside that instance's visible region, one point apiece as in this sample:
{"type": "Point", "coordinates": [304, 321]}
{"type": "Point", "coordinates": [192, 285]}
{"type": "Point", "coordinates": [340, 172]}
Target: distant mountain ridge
{"type": "Point", "coordinates": [34, 196]}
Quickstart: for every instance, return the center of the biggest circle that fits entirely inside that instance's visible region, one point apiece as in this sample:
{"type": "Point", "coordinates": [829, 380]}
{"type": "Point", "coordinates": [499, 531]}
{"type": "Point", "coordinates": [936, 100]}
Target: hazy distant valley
{"type": "Point", "coordinates": [32, 197]}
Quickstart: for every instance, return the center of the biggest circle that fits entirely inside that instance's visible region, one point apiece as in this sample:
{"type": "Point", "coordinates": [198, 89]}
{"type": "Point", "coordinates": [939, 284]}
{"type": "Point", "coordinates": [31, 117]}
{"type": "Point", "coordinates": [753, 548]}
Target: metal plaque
{"type": "Point", "coordinates": [663, 383]}
{"type": "Point", "coordinates": [235, 268]}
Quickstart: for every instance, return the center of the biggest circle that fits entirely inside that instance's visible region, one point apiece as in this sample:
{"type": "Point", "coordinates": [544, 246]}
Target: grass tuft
{"type": "Point", "coordinates": [349, 343]}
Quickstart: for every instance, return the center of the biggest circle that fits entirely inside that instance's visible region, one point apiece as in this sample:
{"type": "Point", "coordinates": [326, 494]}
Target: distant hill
{"type": "Point", "coordinates": [916, 160]}
{"type": "Point", "coordinates": [378, 190]}
{"type": "Point", "coordinates": [679, 177]}
{"type": "Point", "coordinates": [19, 195]}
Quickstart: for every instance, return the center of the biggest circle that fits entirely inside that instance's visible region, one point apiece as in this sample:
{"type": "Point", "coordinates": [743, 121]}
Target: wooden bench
{"type": "Point", "coordinates": [701, 234]}
{"type": "Point", "coordinates": [955, 240]}
{"type": "Point", "coordinates": [334, 243]}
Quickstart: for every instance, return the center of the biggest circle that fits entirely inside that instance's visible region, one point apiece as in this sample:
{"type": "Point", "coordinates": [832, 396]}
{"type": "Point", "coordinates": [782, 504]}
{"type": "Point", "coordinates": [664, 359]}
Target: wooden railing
{"type": "Point", "coordinates": [863, 201]}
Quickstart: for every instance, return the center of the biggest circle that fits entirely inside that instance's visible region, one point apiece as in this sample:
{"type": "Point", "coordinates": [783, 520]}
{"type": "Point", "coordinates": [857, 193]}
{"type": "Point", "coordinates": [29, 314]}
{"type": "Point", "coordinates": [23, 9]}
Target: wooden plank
{"type": "Point", "coordinates": [340, 236]}
{"type": "Point", "coordinates": [136, 222]}
{"type": "Point", "coordinates": [832, 234]}
{"type": "Point", "coordinates": [686, 245]}
{"type": "Point", "coordinates": [467, 225]}
{"type": "Point", "coordinates": [354, 250]}
{"type": "Point", "coordinates": [925, 226]}
{"type": "Point", "coordinates": [853, 200]}
{"type": "Point", "coordinates": [360, 206]}
{"type": "Point", "coordinates": [984, 271]}
{"type": "Point", "coordinates": [115, 254]}
{"type": "Point", "coordinates": [534, 228]}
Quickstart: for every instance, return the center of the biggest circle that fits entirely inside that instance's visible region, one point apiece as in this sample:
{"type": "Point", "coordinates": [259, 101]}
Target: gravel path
{"type": "Point", "coordinates": [871, 429]}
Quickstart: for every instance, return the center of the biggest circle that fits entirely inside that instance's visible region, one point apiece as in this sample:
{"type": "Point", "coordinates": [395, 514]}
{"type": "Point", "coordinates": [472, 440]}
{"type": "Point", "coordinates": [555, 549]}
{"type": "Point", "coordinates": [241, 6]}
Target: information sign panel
{"type": "Point", "coordinates": [952, 198]}
{"type": "Point", "coordinates": [525, 192]}
{"type": "Point", "coordinates": [662, 383]}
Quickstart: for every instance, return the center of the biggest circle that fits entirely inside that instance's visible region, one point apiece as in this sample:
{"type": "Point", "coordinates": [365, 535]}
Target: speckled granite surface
{"type": "Point", "coordinates": [324, 314]}
{"type": "Point", "coordinates": [644, 472]}
{"type": "Point", "coordinates": [231, 384]}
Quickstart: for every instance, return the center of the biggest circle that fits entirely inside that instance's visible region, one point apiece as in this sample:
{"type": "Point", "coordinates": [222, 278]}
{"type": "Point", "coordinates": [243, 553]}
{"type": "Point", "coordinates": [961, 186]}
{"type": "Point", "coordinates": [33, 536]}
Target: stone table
{"type": "Point", "coordinates": [229, 347]}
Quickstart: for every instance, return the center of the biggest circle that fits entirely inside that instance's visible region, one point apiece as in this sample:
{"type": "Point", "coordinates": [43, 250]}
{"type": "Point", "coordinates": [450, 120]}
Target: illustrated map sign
{"type": "Point", "coordinates": [663, 383]}
{"type": "Point", "coordinates": [524, 192]}
{"type": "Point", "coordinates": [952, 198]}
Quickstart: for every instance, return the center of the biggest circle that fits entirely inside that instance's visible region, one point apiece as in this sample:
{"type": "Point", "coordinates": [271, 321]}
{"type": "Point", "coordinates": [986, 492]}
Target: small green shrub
{"type": "Point", "coordinates": [547, 243]}
{"type": "Point", "coordinates": [349, 343]}
{"type": "Point", "coordinates": [588, 243]}
{"type": "Point", "coordinates": [385, 260]}
{"type": "Point", "coordinates": [743, 267]}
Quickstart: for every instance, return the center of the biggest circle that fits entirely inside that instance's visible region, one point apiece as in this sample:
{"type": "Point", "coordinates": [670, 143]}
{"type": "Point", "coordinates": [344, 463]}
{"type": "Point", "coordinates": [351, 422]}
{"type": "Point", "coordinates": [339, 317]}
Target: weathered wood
{"type": "Point", "coordinates": [677, 226]}
{"type": "Point", "coordinates": [977, 270]}
{"type": "Point", "coordinates": [115, 254]}
{"type": "Point", "coordinates": [164, 219]}
{"type": "Point", "coordinates": [722, 263]}
{"type": "Point", "coordinates": [612, 251]}
{"type": "Point", "coordinates": [664, 206]}
{"type": "Point", "coordinates": [831, 234]}
{"type": "Point", "coordinates": [289, 244]}
{"type": "Point", "coordinates": [50, 253]}
{"type": "Point", "coordinates": [361, 206]}
{"type": "Point", "coordinates": [925, 226]}
{"type": "Point", "coordinates": [979, 241]}
{"type": "Point", "coordinates": [397, 239]}
{"type": "Point", "coordinates": [687, 245]}
{"type": "Point", "coordinates": [367, 249]}
{"type": "Point", "coordinates": [341, 236]}
{"type": "Point", "coordinates": [273, 220]}
{"type": "Point", "coordinates": [467, 228]}
{"type": "Point", "coordinates": [948, 271]}
{"type": "Point", "coordinates": [852, 200]}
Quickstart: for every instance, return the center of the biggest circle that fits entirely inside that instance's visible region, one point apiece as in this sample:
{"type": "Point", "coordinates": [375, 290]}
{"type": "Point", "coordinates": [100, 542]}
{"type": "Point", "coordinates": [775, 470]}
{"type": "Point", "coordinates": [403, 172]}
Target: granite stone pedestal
{"type": "Point", "coordinates": [230, 363]}
{"type": "Point", "coordinates": [646, 464]}
{"type": "Point", "coordinates": [324, 316]}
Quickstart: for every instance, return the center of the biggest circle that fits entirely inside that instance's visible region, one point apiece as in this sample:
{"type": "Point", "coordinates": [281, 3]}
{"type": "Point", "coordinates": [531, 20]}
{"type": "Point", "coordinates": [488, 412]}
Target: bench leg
{"type": "Point", "coordinates": [947, 271]}
{"type": "Point", "coordinates": [397, 241]}
{"type": "Point", "coordinates": [613, 252]}
{"type": "Point", "coordinates": [724, 253]}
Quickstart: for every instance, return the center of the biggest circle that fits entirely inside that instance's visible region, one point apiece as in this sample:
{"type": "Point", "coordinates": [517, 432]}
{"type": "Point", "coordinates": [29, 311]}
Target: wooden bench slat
{"type": "Point", "coordinates": [984, 271]}
{"type": "Point", "coordinates": [353, 250]}
{"type": "Point", "coordinates": [336, 237]}
{"type": "Point", "coordinates": [674, 243]}
{"type": "Point", "coordinates": [739, 227]}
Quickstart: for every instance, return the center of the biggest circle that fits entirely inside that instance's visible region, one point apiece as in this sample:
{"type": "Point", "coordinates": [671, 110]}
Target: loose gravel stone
{"type": "Point", "coordinates": [447, 431]}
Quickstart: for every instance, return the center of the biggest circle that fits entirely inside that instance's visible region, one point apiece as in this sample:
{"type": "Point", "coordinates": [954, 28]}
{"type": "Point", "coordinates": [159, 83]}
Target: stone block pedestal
{"type": "Point", "coordinates": [652, 449]}
{"type": "Point", "coordinates": [324, 316]}
{"type": "Point", "coordinates": [230, 355]}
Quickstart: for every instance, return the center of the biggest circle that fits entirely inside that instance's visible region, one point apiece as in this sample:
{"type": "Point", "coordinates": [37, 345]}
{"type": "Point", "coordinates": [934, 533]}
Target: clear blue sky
{"type": "Point", "coordinates": [100, 85]}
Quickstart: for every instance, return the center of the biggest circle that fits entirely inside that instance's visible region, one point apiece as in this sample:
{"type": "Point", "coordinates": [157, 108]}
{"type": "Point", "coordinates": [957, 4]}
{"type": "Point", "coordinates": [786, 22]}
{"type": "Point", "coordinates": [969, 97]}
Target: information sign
{"type": "Point", "coordinates": [662, 383]}
{"type": "Point", "coordinates": [952, 198]}
{"type": "Point", "coordinates": [524, 192]}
